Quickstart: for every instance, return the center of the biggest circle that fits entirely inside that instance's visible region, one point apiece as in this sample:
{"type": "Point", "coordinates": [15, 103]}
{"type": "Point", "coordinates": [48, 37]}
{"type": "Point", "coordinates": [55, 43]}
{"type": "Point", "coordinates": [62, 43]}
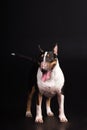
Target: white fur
{"type": "Point", "coordinates": [49, 112]}
{"type": "Point", "coordinates": [44, 59]}
{"type": "Point", "coordinates": [28, 114]}
{"type": "Point", "coordinates": [39, 114]}
{"type": "Point", "coordinates": [53, 85]}
{"type": "Point", "coordinates": [49, 88]}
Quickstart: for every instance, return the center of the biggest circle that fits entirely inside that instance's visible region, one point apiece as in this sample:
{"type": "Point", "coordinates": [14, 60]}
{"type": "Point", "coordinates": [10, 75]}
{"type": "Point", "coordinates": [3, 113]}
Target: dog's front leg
{"type": "Point", "coordinates": [39, 118]}
{"type": "Point", "coordinates": [62, 116]}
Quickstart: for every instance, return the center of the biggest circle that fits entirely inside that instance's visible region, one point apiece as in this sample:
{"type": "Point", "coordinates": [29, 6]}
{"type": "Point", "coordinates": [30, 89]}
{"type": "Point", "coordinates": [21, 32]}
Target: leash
{"type": "Point", "coordinates": [24, 57]}
{"type": "Point", "coordinates": [27, 57]}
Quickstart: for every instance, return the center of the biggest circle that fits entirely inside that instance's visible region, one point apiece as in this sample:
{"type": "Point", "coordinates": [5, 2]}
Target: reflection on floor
{"type": "Point", "coordinates": [50, 123]}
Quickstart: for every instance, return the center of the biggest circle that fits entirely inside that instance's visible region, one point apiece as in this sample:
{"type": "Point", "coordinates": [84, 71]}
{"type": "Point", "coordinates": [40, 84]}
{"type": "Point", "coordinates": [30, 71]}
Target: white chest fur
{"type": "Point", "coordinates": [54, 84]}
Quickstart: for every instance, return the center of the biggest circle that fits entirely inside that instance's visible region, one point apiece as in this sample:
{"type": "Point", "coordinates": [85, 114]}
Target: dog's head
{"type": "Point", "coordinates": [47, 62]}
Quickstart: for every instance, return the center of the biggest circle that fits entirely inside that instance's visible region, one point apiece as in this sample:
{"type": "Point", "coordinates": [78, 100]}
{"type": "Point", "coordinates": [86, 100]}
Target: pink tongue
{"type": "Point", "coordinates": [46, 76]}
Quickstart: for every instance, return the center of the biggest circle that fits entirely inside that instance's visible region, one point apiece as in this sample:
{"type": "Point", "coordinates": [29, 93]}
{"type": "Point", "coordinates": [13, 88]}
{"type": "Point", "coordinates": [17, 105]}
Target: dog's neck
{"type": "Point", "coordinates": [56, 66]}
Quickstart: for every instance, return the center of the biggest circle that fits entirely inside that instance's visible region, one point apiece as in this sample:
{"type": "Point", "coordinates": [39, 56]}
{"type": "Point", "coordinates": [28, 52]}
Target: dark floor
{"type": "Point", "coordinates": [14, 93]}
{"type": "Point", "coordinates": [50, 123]}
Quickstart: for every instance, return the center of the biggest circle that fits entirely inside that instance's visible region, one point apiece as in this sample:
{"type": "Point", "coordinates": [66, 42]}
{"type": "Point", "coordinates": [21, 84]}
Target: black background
{"type": "Point", "coordinates": [29, 23]}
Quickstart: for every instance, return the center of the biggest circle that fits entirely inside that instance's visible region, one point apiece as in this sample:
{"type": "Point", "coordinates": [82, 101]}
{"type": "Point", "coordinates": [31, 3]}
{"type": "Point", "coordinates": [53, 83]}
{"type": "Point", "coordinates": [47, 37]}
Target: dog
{"type": "Point", "coordinates": [50, 81]}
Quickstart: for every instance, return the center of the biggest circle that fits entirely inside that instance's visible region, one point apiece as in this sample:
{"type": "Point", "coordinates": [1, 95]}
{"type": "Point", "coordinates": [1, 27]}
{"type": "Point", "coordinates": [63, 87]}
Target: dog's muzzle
{"type": "Point", "coordinates": [46, 69]}
{"type": "Point", "coordinates": [46, 75]}
{"type": "Point", "coordinates": [43, 71]}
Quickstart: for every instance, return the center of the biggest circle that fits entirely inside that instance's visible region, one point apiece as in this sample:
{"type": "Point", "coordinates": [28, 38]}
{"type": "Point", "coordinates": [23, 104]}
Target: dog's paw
{"type": "Point", "coordinates": [50, 113]}
{"type": "Point", "coordinates": [39, 119]}
{"type": "Point", "coordinates": [63, 118]}
{"type": "Point", "coordinates": [28, 114]}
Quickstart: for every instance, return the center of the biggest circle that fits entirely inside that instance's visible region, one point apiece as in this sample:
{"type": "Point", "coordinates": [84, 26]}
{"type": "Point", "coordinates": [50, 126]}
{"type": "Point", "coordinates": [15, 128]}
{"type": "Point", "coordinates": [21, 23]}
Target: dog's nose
{"type": "Point", "coordinates": [43, 65]}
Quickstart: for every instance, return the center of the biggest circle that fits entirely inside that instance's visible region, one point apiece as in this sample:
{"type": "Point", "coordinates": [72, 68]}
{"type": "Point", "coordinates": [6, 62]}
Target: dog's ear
{"type": "Point", "coordinates": [40, 49]}
{"type": "Point", "coordinates": [55, 49]}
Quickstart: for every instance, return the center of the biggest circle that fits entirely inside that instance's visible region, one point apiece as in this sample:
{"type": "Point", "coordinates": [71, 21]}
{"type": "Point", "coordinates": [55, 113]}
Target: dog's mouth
{"type": "Point", "coordinates": [46, 75]}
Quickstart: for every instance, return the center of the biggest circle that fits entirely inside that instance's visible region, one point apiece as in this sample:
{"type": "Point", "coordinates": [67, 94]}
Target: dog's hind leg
{"type": "Point", "coordinates": [48, 107]}
{"type": "Point", "coordinates": [29, 101]}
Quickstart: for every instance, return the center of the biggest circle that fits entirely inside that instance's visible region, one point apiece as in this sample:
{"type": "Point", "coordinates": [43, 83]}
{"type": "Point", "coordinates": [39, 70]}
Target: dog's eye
{"type": "Point", "coordinates": [48, 55]}
{"type": "Point", "coordinates": [42, 55]}
{"type": "Point", "coordinates": [55, 56]}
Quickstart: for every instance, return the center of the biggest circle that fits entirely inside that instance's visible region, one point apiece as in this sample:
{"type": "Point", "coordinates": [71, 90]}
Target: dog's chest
{"type": "Point", "coordinates": [53, 85]}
